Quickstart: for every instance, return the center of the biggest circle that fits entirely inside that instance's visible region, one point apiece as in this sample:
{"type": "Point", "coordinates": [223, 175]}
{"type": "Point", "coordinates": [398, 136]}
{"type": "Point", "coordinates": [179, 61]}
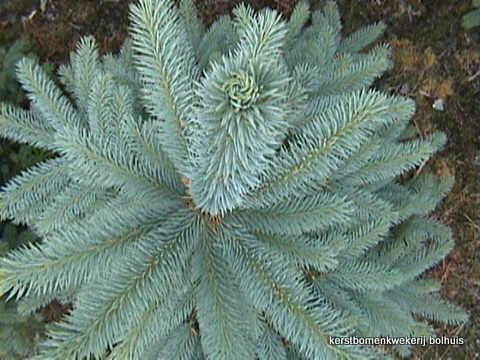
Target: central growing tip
{"type": "Point", "coordinates": [241, 89]}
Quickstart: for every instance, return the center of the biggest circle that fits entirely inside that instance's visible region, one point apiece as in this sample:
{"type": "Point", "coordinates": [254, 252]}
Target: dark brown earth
{"type": "Point", "coordinates": [435, 60]}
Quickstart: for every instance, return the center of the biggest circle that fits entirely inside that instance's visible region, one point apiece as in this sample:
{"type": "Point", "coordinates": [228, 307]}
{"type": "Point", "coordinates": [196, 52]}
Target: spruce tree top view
{"type": "Point", "coordinates": [228, 193]}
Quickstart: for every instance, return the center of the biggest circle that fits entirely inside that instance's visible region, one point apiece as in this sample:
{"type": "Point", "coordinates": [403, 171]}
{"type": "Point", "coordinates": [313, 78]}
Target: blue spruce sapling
{"type": "Point", "coordinates": [18, 332]}
{"type": "Point", "coordinates": [225, 193]}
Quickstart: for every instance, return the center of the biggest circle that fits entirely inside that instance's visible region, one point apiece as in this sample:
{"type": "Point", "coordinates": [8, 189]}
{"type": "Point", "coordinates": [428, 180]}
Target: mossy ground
{"type": "Point", "coordinates": [435, 62]}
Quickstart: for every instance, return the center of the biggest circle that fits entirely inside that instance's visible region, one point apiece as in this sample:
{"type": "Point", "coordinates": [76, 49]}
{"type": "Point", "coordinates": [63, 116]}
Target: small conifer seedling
{"type": "Point", "coordinates": [9, 87]}
{"type": "Point", "coordinates": [225, 193]}
{"type": "Point", "coordinates": [472, 18]}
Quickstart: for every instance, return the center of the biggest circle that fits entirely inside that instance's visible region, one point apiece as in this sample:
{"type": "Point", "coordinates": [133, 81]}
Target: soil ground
{"type": "Point", "coordinates": [436, 62]}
